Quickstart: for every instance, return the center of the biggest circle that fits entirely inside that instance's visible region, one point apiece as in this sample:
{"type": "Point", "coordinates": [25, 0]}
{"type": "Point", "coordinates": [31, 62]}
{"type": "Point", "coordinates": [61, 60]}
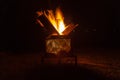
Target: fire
{"type": "Point", "coordinates": [60, 21]}
{"type": "Point", "coordinates": [56, 20]}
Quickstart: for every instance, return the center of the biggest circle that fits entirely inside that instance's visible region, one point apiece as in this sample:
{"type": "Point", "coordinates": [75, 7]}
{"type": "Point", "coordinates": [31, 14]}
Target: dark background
{"type": "Point", "coordinates": [98, 23]}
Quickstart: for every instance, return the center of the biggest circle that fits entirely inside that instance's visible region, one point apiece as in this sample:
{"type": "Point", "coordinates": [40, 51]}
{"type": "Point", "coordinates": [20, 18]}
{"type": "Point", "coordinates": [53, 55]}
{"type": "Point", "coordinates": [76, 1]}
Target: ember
{"type": "Point", "coordinates": [58, 44]}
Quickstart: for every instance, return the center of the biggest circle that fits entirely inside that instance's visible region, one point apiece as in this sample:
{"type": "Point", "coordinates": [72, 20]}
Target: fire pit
{"type": "Point", "coordinates": [58, 41]}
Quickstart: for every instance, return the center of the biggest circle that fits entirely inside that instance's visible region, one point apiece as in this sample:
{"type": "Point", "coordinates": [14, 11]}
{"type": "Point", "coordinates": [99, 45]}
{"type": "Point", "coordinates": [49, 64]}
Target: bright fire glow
{"type": "Point", "coordinates": [57, 19]}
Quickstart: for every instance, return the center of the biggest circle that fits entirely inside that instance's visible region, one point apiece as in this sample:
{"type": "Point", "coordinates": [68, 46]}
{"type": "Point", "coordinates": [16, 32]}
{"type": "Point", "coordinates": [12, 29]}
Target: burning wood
{"type": "Point", "coordinates": [69, 29]}
{"type": "Point", "coordinates": [44, 22]}
{"type": "Point", "coordinates": [54, 23]}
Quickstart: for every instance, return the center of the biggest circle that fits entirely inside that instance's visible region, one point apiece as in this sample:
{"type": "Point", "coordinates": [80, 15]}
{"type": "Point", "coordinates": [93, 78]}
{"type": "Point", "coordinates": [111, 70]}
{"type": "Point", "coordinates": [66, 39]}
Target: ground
{"type": "Point", "coordinates": [91, 65]}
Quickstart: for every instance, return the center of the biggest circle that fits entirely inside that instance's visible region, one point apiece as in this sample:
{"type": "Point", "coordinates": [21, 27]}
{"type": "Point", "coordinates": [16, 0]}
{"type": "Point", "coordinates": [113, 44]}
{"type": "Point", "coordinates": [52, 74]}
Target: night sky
{"type": "Point", "coordinates": [98, 23]}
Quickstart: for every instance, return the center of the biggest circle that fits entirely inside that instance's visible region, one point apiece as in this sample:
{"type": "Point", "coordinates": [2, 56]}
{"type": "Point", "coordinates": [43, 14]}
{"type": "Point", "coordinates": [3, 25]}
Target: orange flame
{"type": "Point", "coordinates": [56, 20]}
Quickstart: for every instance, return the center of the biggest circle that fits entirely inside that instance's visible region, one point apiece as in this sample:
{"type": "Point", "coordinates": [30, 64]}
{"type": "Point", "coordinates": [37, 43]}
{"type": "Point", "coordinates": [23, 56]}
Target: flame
{"type": "Point", "coordinates": [57, 20]}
